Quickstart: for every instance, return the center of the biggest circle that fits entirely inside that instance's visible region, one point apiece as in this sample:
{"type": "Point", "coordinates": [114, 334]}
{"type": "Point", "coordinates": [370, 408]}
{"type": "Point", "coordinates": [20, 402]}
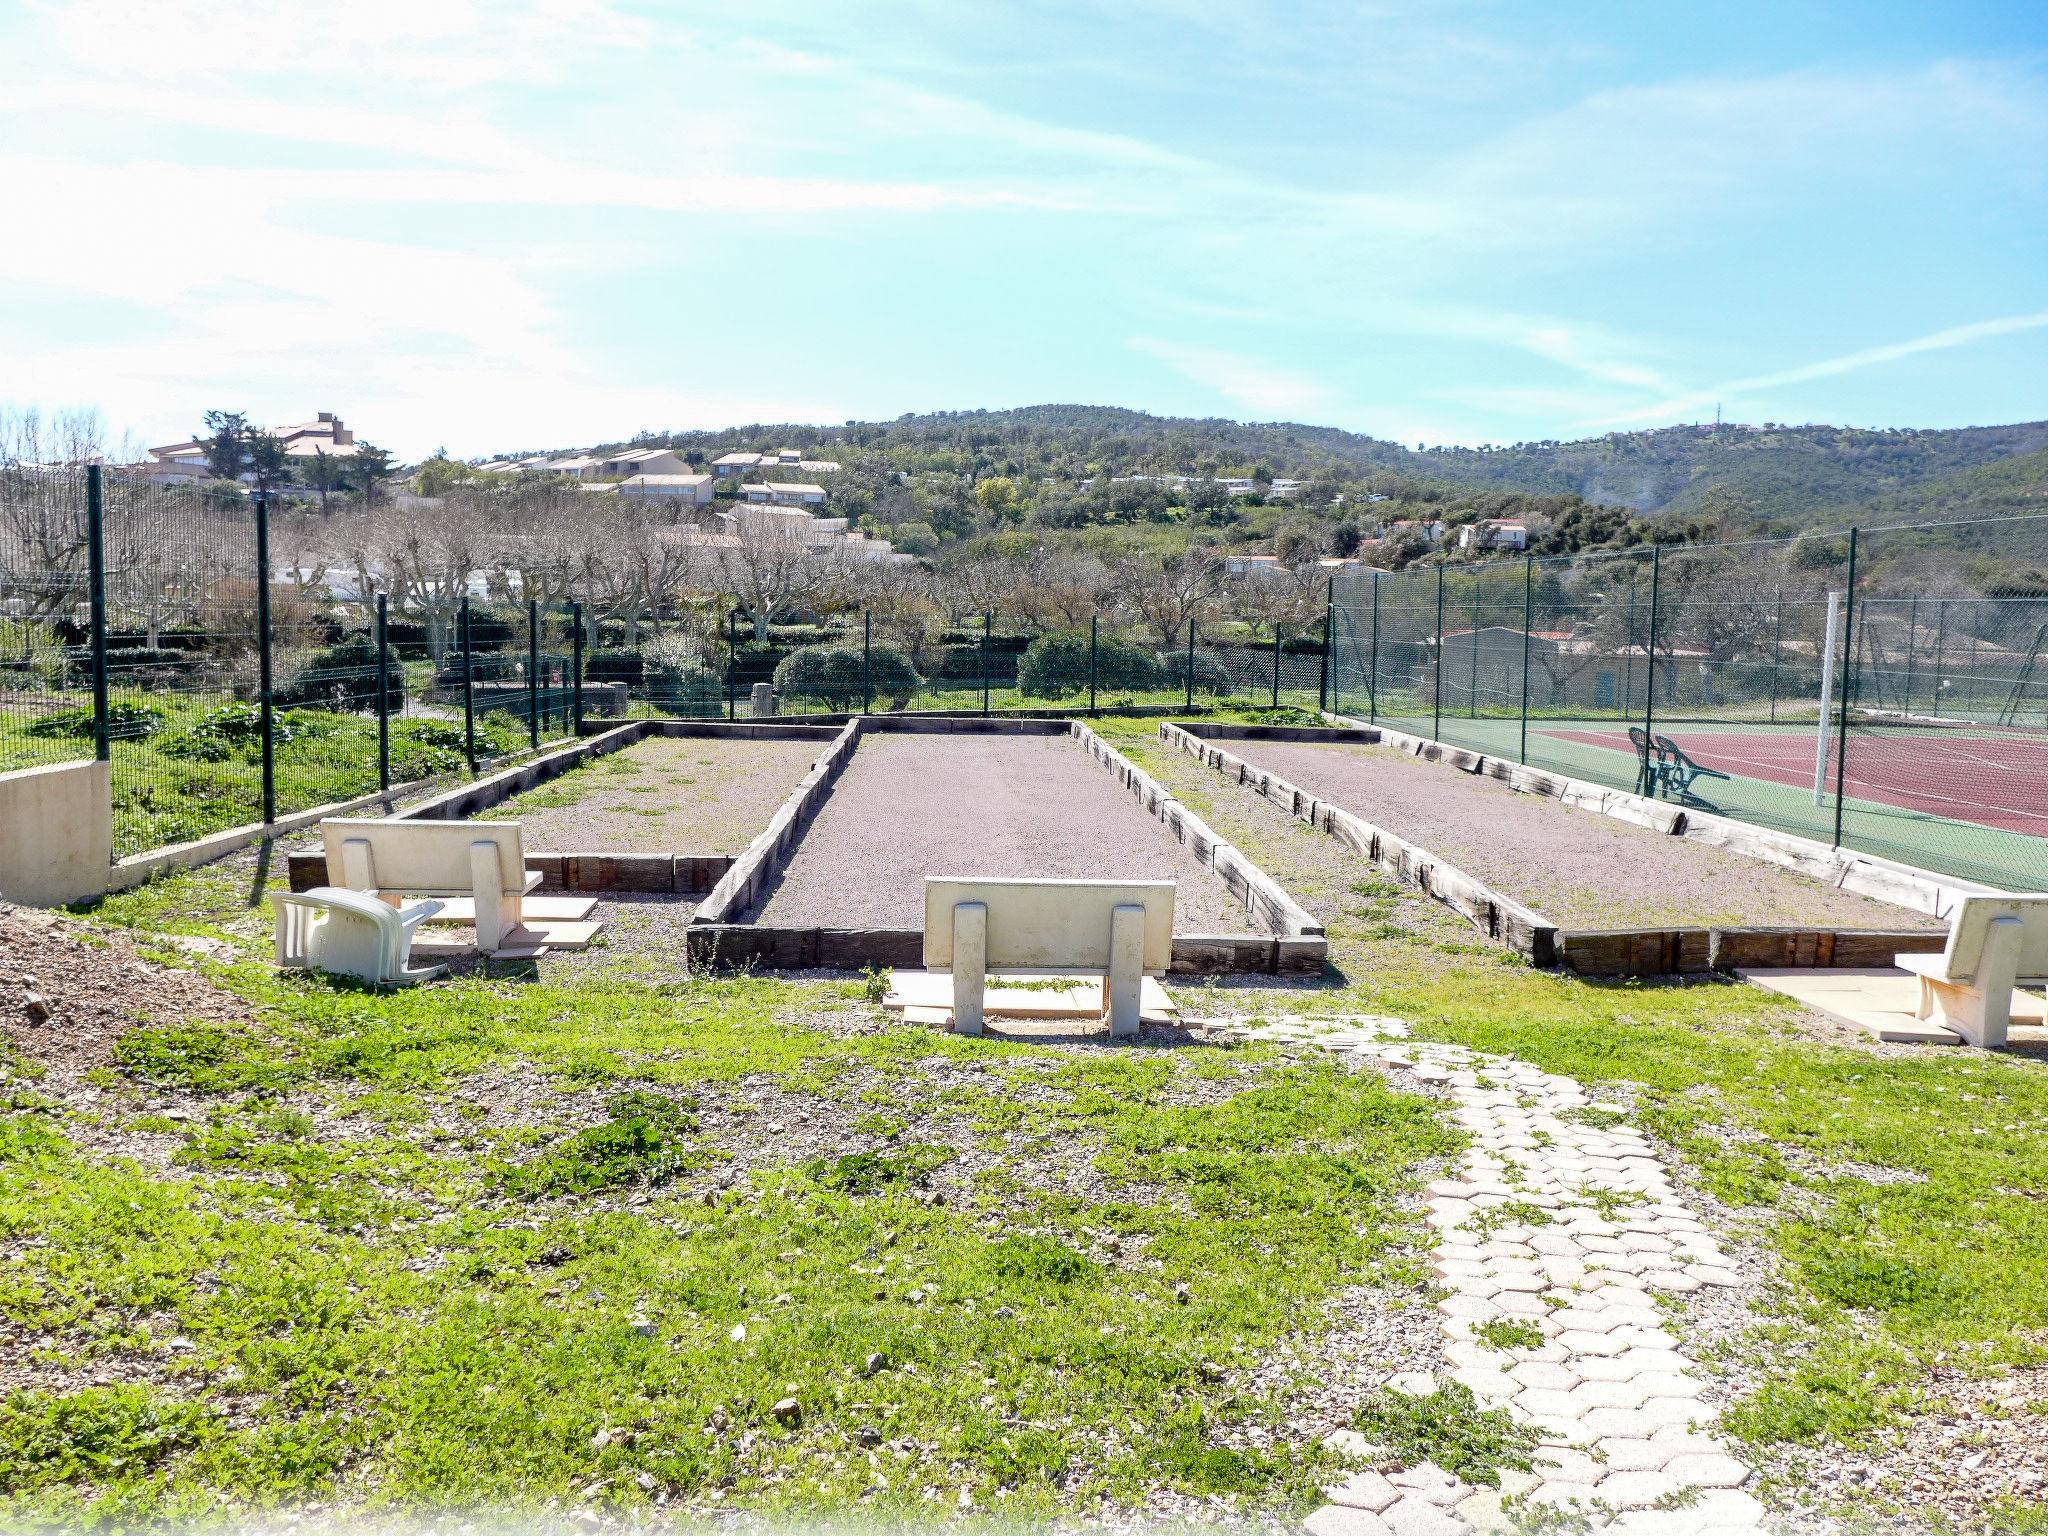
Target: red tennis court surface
{"type": "Point", "coordinates": [1989, 777]}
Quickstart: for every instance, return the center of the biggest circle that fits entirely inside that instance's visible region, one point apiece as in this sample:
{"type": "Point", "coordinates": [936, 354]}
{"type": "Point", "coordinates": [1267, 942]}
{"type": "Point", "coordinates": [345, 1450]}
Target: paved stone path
{"type": "Point", "coordinates": [1560, 1216]}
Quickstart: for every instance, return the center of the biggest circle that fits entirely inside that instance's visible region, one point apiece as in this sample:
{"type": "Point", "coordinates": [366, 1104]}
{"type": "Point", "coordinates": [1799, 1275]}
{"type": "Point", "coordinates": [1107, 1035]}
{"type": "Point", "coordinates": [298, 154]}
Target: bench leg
{"type": "Point", "coordinates": [970, 966]}
{"type": "Point", "coordinates": [1126, 970]}
{"type": "Point", "coordinates": [489, 891]}
{"type": "Point", "coordinates": [1980, 1010]}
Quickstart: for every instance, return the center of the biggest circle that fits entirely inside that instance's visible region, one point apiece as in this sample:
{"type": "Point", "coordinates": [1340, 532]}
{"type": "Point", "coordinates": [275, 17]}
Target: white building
{"type": "Point", "coordinates": [687, 490]}
{"type": "Point", "coordinates": [784, 493]}
{"type": "Point", "coordinates": [1493, 533]}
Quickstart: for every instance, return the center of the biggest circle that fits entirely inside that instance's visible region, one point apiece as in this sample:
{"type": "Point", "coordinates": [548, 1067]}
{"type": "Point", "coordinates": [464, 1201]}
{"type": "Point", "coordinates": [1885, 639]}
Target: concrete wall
{"type": "Point", "coordinates": [56, 833]}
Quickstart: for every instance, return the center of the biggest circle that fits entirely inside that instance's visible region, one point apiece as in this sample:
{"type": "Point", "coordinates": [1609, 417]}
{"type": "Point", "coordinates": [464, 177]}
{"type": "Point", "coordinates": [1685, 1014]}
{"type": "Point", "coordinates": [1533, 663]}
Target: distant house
{"type": "Point", "coordinates": [578, 466]}
{"type": "Point", "coordinates": [1493, 533]}
{"type": "Point", "coordinates": [688, 490]}
{"type": "Point", "coordinates": [1284, 490]}
{"type": "Point", "coordinates": [325, 435]}
{"type": "Point", "coordinates": [784, 493]}
{"type": "Point", "coordinates": [1236, 486]}
{"type": "Point", "coordinates": [1253, 566]}
{"type": "Point", "coordinates": [730, 466]}
{"type": "Point", "coordinates": [639, 461]}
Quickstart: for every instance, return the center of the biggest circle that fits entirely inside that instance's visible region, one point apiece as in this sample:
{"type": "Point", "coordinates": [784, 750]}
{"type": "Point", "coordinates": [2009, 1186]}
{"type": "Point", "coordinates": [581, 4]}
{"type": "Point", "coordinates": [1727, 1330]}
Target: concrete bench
{"type": "Point", "coordinates": [1996, 943]}
{"type": "Point", "coordinates": [1121, 928]}
{"type": "Point", "coordinates": [350, 933]}
{"type": "Point", "coordinates": [481, 860]}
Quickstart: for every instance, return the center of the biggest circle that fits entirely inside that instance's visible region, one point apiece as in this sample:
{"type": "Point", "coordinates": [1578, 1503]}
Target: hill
{"type": "Point", "coordinates": [1777, 476]}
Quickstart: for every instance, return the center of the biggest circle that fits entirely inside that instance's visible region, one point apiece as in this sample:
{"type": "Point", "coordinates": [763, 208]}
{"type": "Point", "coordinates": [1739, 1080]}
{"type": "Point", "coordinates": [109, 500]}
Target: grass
{"type": "Point", "coordinates": [360, 1279]}
{"type": "Point", "coordinates": [357, 1280]}
{"type": "Point", "coordinates": [1903, 1199]}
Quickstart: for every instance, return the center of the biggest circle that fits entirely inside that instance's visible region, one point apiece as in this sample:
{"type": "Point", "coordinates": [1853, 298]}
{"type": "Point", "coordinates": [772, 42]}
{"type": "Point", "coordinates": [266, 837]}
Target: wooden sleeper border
{"type": "Point", "coordinates": [718, 939]}
{"type": "Point", "coordinates": [1521, 928]}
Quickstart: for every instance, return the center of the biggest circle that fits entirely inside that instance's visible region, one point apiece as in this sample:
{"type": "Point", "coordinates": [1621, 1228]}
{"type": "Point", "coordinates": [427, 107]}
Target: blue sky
{"type": "Point", "coordinates": [545, 222]}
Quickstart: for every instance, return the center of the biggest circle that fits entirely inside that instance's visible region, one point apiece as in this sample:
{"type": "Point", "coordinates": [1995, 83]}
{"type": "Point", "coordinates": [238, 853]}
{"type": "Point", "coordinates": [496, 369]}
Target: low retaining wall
{"type": "Point", "coordinates": [1295, 943]}
{"type": "Point", "coordinates": [1537, 938]}
{"type": "Point", "coordinates": [56, 833]}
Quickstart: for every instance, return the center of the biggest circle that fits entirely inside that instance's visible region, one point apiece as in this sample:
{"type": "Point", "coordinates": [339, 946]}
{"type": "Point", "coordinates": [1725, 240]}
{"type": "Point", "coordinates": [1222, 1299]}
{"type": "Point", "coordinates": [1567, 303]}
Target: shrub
{"type": "Point", "coordinates": [678, 682]}
{"type": "Point", "coordinates": [1058, 664]}
{"type": "Point", "coordinates": [627, 667]}
{"type": "Point", "coordinates": [125, 720]}
{"type": "Point", "coordinates": [237, 728]}
{"type": "Point", "coordinates": [1210, 677]}
{"type": "Point", "coordinates": [344, 676]}
{"type": "Point", "coordinates": [641, 1141]}
{"type": "Point", "coordinates": [841, 677]}
{"type": "Point", "coordinates": [142, 666]}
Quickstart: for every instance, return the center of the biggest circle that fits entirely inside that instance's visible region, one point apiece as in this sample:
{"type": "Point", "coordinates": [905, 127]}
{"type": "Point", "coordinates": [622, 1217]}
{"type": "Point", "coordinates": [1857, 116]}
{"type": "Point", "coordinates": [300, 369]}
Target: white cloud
{"type": "Point", "coordinates": [1850, 362]}
{"type": "Point", "coordinates": [1259, 387]}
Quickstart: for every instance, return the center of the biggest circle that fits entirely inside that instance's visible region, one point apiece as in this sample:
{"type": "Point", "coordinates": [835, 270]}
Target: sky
{"type": "Point", "coordinates": [494, 225]}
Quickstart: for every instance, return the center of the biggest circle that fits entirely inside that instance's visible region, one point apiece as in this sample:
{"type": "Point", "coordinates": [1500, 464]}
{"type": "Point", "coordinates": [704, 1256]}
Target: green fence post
{"type": "Point", "coordinates": [468, 683]}
{"type": "Point", "coordinates": [1940, 645]}
{"type": "Point", "coordinates": [1628, 656]}
{"type": "Point", "coordinates": [1372, 686]}
{"type": "Point", "coordinates": [1436, 729]}
{"type": "Point", "coordinates": [867, 661]}
{"type": "Point", "coordinates": [1094, 668]}
{"type": "Point", "coordinates": [1777, 650]}
{"type": "Point", "coordinates": [1912, 627]}
{"type": "Point", "coordinates": [1650, 679]}
{"type": "Point", "coordinates": [96, 589]}
{"type": "Point", "coordinates": [1329, 639]}
{"type": "Point", "coordinates": [263, 658]}
{"type": "Point", "coordinates": [383, 690]}
{"type": "Point", "coordinates": [1848, 686]}
{"type": "Point", "coordinates": [1276, 666]}
{"type": "Point", "coordinates": [1190, 678]}
{"type": "Point", "coordinates": [533, 672]}
{"type": "Point", "coordinates": [732, 660]}
{"type": "Point", "coordinates": [1472, 702]}
{"type": "Point", "coordinates": [988, 624]}
{"type": "Point", "coordinates": [1528, 623]}
{"type": "Point", "coordinates": [576, 670]}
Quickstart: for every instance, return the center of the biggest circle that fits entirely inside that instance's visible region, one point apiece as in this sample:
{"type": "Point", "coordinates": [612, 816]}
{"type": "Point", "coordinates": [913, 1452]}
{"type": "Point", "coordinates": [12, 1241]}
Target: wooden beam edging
{"type": "Point", "coordinates": [743, 946]}
{"type": "Point", "coordinates": [1265, 899]}
{"type": "Point", "coordinates": [1501, 918]}
{"type": "Point", "coordinates": [1923, 891]}
{"type": "Point", "coordinates": [738, 888]}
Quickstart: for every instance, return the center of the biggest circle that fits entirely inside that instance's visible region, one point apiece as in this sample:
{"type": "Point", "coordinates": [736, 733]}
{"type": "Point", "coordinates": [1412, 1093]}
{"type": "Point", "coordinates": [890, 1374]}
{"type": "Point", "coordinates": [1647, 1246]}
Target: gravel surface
{"type": "Point", "coordinates": [1579, 868]}
{"type": "Point", "coordinates": [1023, 806]}
{"type": "Point", "coordinates": [664, 795]}
{"type": "Point", "coordinates": [68, 992]}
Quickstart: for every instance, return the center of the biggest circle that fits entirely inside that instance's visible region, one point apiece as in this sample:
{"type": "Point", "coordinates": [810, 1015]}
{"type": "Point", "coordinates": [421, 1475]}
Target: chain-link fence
{"type": "Point", "coordinates": [137, 624]}
{"type": "Point", "coordinates": [982, 664]}
{"type": "Point", "coordinates": [1879, 689]}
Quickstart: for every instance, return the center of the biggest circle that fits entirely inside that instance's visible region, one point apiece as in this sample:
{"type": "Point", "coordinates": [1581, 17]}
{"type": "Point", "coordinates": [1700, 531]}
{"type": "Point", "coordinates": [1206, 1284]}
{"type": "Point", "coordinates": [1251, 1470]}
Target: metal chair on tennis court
{"type": "Point", "coordinates": [1678, 772]}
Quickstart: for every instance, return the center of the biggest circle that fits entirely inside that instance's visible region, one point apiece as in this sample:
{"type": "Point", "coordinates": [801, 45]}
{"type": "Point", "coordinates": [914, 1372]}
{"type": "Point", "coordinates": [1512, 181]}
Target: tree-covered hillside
{"type": "Point", "coordinates": [1789, 476]}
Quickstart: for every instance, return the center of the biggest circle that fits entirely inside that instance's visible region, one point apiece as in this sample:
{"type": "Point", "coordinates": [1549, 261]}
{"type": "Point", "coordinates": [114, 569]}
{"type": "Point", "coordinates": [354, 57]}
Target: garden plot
{"type": "Point", "coordinates": [1032, 807]}
{"type": "Point", "coordinates": [689, 794]}
{"type": "Point", "coordinates": [1581, 869]}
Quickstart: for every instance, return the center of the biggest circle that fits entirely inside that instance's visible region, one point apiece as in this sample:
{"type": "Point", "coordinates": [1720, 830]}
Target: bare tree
{"type": "Point", "coordinates": [1165, 592]}
{"type": "Point", "coordinates": [764, 563]}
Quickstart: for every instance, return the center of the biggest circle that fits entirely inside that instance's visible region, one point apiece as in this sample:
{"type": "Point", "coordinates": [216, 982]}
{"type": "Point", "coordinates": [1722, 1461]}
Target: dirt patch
{"type": "Point", "coordinates": [664, 795]}
{"type": "Point", "coordinates": [67, 992]}
{"type": "Point", "coordinates": [1579, 868]}
{"type": "Point", "coordinates": [1023, 806]}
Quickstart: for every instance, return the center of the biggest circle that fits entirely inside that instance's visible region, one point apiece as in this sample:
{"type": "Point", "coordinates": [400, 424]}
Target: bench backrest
{"type": "Point", "coordinates": [1973, 917]}
{"type": "Point", "coordinates": [423, 856]}
{"type": "Point", "coordinates": [1054, 924]}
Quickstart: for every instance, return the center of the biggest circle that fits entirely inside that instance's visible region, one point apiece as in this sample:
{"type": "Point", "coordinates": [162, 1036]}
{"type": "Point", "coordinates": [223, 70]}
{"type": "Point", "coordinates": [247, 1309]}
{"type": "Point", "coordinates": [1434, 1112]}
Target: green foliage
{"type": "Point", "coordinates": [1509, 1333]}
{"type": "Point", "coordinates": [1449, 1427]}
{"type": "Point", "coordinates": [678, 682]}
{"type": "Point", "coordinates": [841, 676]}
{"type": "Point", "coordinates": [94, 1435]}
{"type": "Point", "coordinates": [870, 1173]}
{"type": "Point", "coordinates": [126, 720]}
{"type": "Point", "coordinates": [1210, 675]}
{"type": "Point", "coordinates": [643, 1140]}
{"type": "Point", "coordinates": [1055, 665]}
{"type": "Point", "coordinates": [343, 676]}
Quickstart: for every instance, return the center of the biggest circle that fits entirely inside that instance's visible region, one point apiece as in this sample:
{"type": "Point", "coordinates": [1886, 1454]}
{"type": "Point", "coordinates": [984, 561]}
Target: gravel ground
{"type": "Point", "coordinates": [1581, 869]}
{"type": "Point", "coordinates": [664, 795]}
{"type": "Point", "coordinates": [67, 994]}
{"type": "Point", "coordinates": [1023, 806]}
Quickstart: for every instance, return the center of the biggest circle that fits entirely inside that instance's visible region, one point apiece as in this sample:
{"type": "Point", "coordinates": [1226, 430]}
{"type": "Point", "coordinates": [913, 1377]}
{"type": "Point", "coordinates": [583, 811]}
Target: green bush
{"type": "Point", "coordinates": [615, 666]}
{"type": "Point", "coordinates": [839, 676]}
{"type": "Point", "coordinates": [125, 720]}
{"type": "Point", "coordinates": [343, 676]}
{"type": "Point", "coordinates": [678, 682]}
{"type": "Point", "coordinates": [1058, 664]}
{"type": "Point", "coordinates": [1210, 677]}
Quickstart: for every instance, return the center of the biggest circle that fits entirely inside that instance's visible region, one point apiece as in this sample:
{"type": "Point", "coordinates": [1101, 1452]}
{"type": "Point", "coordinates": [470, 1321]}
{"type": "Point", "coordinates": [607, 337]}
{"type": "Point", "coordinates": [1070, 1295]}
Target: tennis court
{"type": "Point", "coordinates": [1966, 799]}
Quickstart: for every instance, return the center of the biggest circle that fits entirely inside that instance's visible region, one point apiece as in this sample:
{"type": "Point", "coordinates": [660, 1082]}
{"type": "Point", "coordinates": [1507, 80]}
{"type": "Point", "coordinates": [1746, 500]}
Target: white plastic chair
{"type": "Point", "coordinates": [347, 933]}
